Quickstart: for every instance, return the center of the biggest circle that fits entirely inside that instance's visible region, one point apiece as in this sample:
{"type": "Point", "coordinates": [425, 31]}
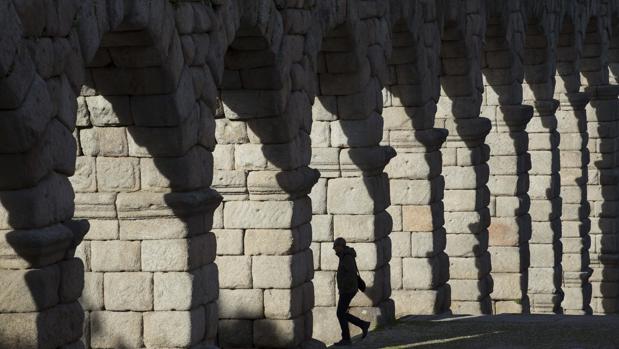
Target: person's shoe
{"type": "Point", "coordinates": [365, 329]}
{"type": "Point", "coordinates": [342, 343]}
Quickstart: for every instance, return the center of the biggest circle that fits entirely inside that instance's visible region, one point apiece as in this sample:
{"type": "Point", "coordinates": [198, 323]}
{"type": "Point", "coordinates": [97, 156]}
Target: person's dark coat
{"type": "Point", "coordinates": [347, 271]}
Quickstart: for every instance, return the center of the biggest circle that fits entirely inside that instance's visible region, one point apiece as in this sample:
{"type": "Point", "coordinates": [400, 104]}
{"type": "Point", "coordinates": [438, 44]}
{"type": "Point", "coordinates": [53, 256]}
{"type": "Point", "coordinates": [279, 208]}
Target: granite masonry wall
{"type": "Point", "coordinates": [173, 172]}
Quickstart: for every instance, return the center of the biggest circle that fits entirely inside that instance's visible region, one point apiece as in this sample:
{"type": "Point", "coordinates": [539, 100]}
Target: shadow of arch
{"type": "Point", "coordinates": [574, 174]}
{"type": "Point", "coordinates": [601, 192]}
{"type": "Point", "coordinates": [420, 266]}
{"type": "Point", "coordinates": [263, 127]}
{"type": "Point", "coordinates": [467, 197]}
{"type": "Point", "coordinates": [510, 162]}
{"type": "Point", "coordinates": [539, 76]}
{"type": "Point", "coordinates": [138, 66]}
{"type": "Point", "coordinates": [346, 135]}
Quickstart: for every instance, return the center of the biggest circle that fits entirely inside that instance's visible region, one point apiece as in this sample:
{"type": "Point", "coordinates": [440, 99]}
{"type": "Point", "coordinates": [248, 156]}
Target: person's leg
{"type": "Point", "coordinates": [355, 320]}
{"type": "Point", "coordinates": [342, 313]}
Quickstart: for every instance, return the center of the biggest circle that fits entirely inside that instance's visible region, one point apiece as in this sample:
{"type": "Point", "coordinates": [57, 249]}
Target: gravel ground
{"type": "Point", "coordinates": [501, 331]}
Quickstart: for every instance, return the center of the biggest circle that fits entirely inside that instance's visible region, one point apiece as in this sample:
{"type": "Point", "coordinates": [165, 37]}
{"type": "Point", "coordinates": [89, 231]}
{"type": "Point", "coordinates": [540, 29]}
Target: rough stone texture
{"type": "Point", "coordinates": [466, 149]}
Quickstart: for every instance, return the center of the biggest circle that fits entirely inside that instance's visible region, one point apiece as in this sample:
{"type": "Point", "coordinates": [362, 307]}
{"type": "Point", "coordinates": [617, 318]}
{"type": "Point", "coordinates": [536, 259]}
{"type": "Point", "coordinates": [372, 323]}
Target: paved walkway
{"type": "Point", "coordinates": [497, 332]}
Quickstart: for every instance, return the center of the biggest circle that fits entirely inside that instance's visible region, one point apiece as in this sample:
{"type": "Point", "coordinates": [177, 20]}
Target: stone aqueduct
{"type": "Point", "coordinates": [207, 152]}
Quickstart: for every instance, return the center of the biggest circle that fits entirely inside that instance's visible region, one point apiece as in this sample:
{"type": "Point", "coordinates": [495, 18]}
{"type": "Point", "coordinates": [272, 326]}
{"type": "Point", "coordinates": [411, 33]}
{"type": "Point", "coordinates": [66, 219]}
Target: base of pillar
{"type": "Point", "coordinates": [542, 303]}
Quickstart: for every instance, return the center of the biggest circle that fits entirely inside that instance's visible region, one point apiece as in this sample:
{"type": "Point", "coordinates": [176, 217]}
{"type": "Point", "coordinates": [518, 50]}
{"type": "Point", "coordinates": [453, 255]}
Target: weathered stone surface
{"type": "Point", "coordinates": [174, 328]}
{"type": "Point", "coordinates": [111, 329]}
{"type": "Point", "coordinates": [128, 291]}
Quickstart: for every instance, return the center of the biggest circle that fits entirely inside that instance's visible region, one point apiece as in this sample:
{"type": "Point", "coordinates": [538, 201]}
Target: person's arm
{"type": "Point", "coordinates": [349, 264]}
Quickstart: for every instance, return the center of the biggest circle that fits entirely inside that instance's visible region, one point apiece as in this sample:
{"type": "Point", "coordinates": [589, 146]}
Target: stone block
{"type": "Point", "coordinates": [223, 157]}
{"type": "Point", "coordinates": [319, 197]}
{"type": "Point", "coordinates": [467, 245]}
{"type": "Point", "coordinates": [102, 229]}
{"type": "Point", "coordinates": [118, 174]}
{"type": "Point", "coordinates": [320, 134]}
{"type": "Point", "coordinates": [128, 291]}
{"type": "Point", "coordinates": [284, 303]}
{"type": "Point", "coordinates": [395, 211]}
{"type": "Point", "coordinates": [229, 241]}
{"type": "Point", "coordinates": [328, 259]}
{"type": "Point", "coordinates": [282, 271]}
{"type": "Point", "coordinates": [416, 192]}
{"type": "Point", "coordinates": [415, 165]}
{"type": "Point", "coordinates": [234, 271]}
{"type": "Point", "coordinates": [110, 329]}
{"type": "Point", "coordinates": [236, 333]}
{"type": "Point", "coordinates": [168, 329]}
{"type": "Point", "coordinates": [324, 288]}
{"type": "Point", "coordinates": [469, 267]}
{"type": "Point", "coordinates": [365, 195]}
{"type": "Point", "coordinates": [104, 141]}
{"type": "Point", "coordinates": [470, 290]}
{"type": "Point", "coordinates": [422, 218]}
{"type": "Point", "coordinates": [92, 295]}
{"type": "Point", "coordinates": [420, 302]}
{"type": "Point", "coordinates": [109, 110]}
{"type": "Point", "coordinates": [467, 222]}
{"type": "Point", "coordinates": [279, 333]}
{"type": "Point", "coordinates": [466, 200]}
{"type": "Point", "coordinates": [325, 108]}
{"type": "Point", "coordinates": [401, 242]}
{"type": "Point", "coordinates": [362, 228]}
{"type": "Point", "coordinates": [29, 290]}
{"type": "Point", "coordinates": [357, 133]}
{"type": "Point", "coordinates": [178, 254]}
{"type": "Point", "coordinates": [85, 177]}
{"type": "Point", "coordinates": [322, 228]}
{"type": "Point", "coordinates": [188, 172]}
{"type": "Point", "coordinates": [277, 241]}
{"type": "Point", "coordinates": [230, 132]}
{"type": "Point", "coordinates": [71, 280]}
{"type": "Point", "coordinates": [115, 255]}
{"type": "Point", "coordinates": [427, 244]}
{"type": "Point", "coordinates": [241, 304]}
{"type": "Point", "coordinates": [421, 273]}
{"type": "Point", "coordinates": [162, 228]}
{"type": "Point", "coordinates": [507, 286]}
{"type": "Point", "coordinates": [267, 214]}
{"type": "Point", "coordinates": [185, 290]}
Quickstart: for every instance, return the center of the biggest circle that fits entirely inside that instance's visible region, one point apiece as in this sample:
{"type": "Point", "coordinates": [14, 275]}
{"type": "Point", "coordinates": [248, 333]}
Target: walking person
{"type": "Point", "coordinates": [347, 285]}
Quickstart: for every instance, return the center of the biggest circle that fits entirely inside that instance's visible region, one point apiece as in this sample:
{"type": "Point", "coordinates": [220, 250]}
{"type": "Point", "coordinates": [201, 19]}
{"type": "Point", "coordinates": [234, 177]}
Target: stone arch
{"type": "Point", "coordinates": [510, 228]}
{"type": "Point", "coordinates": [262, 161]}
{"type": "Point", "coordinates": [351, 198]}
{"type": "Point", "coordinates": [465, 157]}
{"type": "Point", "coordinates": [142, 178]}
{"type": "Point", "coordinates": [419, 265]}
{"type": "Point", "coordinates": [539, 62]}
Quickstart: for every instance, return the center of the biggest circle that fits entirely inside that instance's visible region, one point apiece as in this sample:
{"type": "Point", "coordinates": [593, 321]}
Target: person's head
{"type": "Point", "coordinates": [339, 244]}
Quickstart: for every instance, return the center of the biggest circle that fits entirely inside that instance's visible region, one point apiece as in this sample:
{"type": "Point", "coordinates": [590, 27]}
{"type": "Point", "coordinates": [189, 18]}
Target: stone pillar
{"type": "Point", "coordinates": [144, 171]}
{"type": "Point", "coordinates": [351, 198]}
{"type": "Point", "coordinates": [602, 194]}
{"type": "Point", "coordinates": [544, 284]}
{"type": "Point", "coordinates": [263, 228]}
{"type": "Point", "coordinates": [419, 266]}
{"type": "Point", "coordinates": [509, 164]}
{"type": "Point", "coordinates": [539, 58]}
{"type": "Point", "coordinates": [575, 209]}
{"type": "Point", "coordinates": [40, 277]}
{"type": "Point", "coordinates": [465, 157]}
